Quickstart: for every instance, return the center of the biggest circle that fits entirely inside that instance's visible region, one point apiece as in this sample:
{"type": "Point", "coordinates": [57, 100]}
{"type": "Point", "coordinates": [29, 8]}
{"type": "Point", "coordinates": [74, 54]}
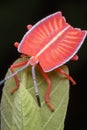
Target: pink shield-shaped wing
{"type": "Point", "coordinates": [52, 41]}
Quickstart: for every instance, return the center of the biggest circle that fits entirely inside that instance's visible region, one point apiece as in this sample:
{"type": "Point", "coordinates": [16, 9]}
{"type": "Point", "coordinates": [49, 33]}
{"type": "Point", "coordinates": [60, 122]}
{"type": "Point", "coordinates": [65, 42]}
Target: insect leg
{"type": "Point", "coordinates": [75, 58]}
{"type": "Point", "coordinates": [29, 26]}
{"type": "Point", "coordinates": [35, 86]}
{"type": "Point", "coordinates": [66, 75]}
{"type": "Point", "coordinates": [16, 44]}
{"type": "Point", "coordinates": [12, 67]}
{"type": "Point", "coordinates": [47, 96]}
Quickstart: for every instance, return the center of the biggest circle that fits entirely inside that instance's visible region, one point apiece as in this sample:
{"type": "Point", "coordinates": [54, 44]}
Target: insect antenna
{"type": "Point", "coordinates": [2, 81]}
{"type": "Point", "coordinates": [15, 73]}
{"type": "Point", "coordinates": [35, 86]}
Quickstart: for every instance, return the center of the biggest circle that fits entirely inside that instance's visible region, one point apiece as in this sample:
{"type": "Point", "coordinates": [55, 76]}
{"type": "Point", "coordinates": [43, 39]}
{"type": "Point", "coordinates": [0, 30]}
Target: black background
{"type": "Point", "coordinates": [15, 15]}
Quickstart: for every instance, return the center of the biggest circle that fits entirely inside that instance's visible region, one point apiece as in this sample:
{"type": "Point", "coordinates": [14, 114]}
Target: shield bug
{"type": "Point", "coordinates": [50, 43]}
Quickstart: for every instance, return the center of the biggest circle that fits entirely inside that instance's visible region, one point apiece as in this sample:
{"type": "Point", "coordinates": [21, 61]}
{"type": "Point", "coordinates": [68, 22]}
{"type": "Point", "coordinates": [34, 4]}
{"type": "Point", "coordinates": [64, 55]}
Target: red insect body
{"type": "Point", "coordinates": [51, 42]}
{"type": "Point", "coordinates": [52, 39]}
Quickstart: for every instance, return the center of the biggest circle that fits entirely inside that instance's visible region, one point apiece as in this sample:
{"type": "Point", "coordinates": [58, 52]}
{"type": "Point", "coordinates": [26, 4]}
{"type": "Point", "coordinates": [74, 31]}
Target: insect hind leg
{"type": "Point", "coordinates": [66, 75]}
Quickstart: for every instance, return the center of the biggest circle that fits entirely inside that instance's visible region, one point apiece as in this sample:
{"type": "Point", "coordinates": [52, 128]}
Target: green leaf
{"type": "Point", "coordinates": [25, 112]}
{"type": "Point", "coordinates": [18, 110]}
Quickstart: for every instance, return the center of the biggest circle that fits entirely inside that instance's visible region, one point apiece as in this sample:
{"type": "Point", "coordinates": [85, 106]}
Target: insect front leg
{"type": "Point", "coordinates": [29, 26]}
{"type": "Point", "coordinates": [47, 96]}
{"type": "Point", "coordinates": [12, 67]}
{"type": "Point", "coordinates": [66, 75]}
{"type": "Point", "coordinates": [75, 58]}
{"type": "Point", "coordinates": [16, 44]}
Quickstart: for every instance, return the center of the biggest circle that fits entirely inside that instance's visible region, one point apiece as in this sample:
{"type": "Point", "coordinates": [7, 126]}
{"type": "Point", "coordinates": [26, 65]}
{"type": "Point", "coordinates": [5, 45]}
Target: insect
{"type": "Point", "coordinates": [50, 43]}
